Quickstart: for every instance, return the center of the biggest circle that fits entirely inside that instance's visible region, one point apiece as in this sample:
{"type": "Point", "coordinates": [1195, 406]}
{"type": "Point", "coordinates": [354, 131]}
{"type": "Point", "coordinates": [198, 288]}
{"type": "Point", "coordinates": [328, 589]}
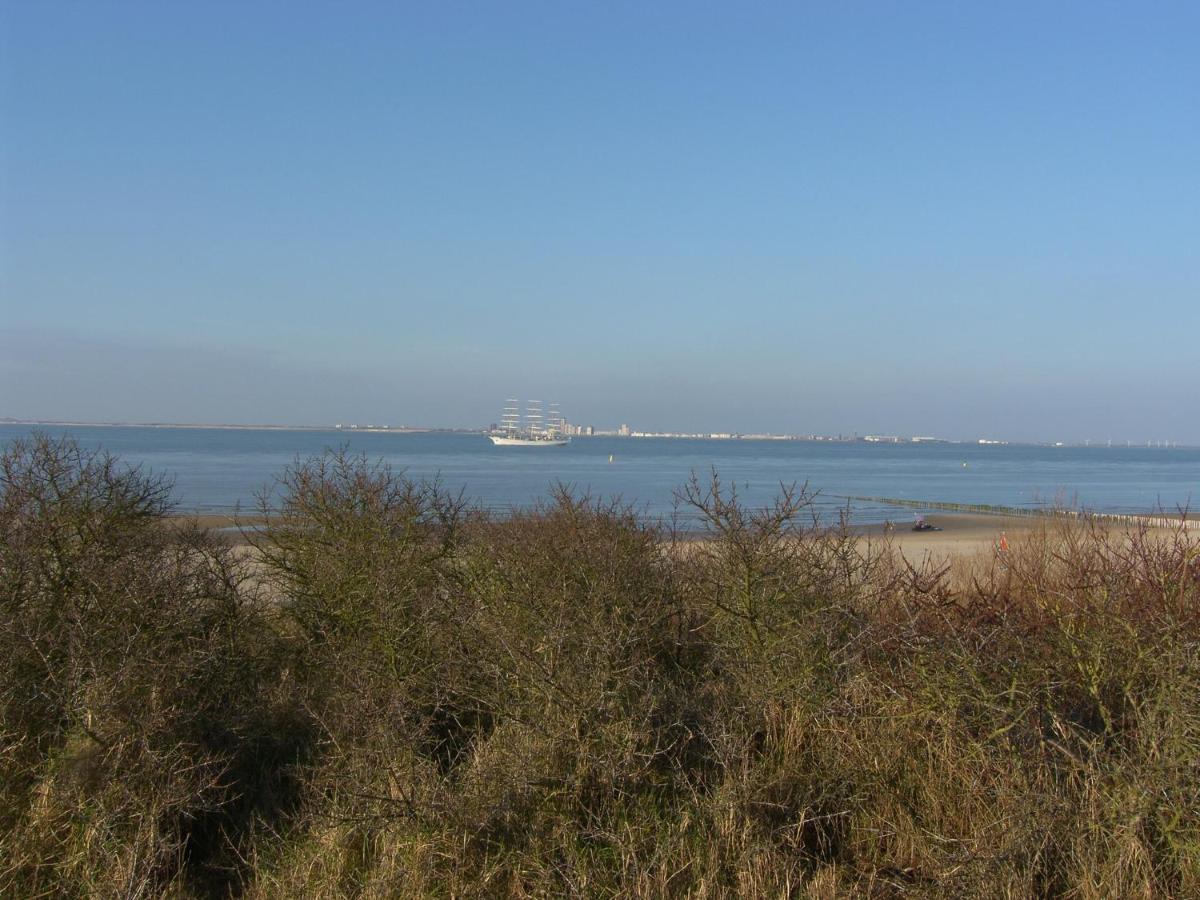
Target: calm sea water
{"type": "Point", "coordinates": [218, 469]}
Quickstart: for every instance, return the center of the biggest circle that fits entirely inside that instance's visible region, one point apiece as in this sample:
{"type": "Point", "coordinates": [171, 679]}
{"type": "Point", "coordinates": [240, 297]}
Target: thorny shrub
{"type": "Point", "coordinates": [389, 692]}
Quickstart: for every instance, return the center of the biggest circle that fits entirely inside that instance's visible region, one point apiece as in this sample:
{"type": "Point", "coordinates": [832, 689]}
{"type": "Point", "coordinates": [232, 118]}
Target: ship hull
{"type": "Point", "coordinates": [501, 441]}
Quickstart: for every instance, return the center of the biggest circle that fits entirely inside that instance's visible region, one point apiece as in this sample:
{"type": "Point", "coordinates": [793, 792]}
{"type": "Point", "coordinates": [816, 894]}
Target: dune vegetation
{"type": "Point", "coordinates": [389, 693]}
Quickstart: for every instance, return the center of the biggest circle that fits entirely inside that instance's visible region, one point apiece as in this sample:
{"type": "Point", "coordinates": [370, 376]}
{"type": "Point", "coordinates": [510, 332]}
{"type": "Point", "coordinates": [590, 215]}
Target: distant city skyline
{"type": "Point", "coordinates": [575, 429]}
{"type": "Point", "coordinates": [950, 219]}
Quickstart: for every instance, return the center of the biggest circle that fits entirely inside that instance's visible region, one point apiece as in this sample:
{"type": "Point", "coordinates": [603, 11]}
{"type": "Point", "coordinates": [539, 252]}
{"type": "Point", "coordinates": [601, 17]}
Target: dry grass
{"type": "Point", "coordinates": [410, 699]}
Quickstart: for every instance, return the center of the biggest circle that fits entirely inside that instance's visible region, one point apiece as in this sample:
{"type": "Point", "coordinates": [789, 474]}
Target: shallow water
{"type": "Point", "coordinates": [218, 470]}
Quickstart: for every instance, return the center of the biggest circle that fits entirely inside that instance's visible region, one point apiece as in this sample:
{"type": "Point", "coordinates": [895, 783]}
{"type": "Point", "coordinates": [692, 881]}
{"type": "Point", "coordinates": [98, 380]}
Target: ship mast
{"type": "Point", "coordinates": [511, 420]}
{"type": "Point", "coordinates": [533, 418]}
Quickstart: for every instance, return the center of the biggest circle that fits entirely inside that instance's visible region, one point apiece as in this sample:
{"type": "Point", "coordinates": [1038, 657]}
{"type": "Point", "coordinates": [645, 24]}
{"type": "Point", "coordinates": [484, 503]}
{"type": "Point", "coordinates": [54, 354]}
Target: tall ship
{"type": "Point", "coordinates": [533, 429]}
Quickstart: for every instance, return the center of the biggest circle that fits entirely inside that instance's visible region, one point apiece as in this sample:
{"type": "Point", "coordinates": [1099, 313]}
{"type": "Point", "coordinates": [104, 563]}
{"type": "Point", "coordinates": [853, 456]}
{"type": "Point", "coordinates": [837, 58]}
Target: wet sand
{"type": "Point", "coordinates": [227, 525]}
{"type": "Point", "coordinates": [961, 532]}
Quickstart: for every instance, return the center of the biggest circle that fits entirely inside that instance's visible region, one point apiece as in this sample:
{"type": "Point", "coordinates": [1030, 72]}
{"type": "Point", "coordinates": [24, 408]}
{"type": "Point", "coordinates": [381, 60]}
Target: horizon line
{"type": "Point", "coordinates": [813, 437]}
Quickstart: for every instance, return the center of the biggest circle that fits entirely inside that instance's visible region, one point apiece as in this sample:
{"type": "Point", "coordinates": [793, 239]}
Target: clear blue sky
{"type": "Point", "coordinates": [961, 219]}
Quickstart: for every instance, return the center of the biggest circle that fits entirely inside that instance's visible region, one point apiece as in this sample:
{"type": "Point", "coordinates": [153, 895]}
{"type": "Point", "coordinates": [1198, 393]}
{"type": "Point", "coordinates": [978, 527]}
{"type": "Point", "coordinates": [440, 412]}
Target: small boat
{"type": "Point", "coordinates": [535, 430]}
{"type": "Point", "coordinates": [922, 525]}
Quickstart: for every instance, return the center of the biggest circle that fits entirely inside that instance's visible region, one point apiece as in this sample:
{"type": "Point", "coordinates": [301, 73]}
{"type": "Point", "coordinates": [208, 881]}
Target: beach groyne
{"type": "Point", "coordinates": [1160, 520]}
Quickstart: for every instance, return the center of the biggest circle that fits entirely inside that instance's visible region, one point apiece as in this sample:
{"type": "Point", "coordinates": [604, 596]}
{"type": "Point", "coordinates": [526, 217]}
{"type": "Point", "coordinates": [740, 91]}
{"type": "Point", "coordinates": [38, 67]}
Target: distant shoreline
{"type": "Point", "coordinates": [399, 429]}
{"type": "Point", "coordinates": [714, 436]}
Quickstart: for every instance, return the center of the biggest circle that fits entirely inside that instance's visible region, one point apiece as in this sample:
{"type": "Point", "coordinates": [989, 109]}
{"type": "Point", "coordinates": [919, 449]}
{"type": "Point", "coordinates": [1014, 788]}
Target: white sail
{"type": "Point", "coordinates": [533, 417]}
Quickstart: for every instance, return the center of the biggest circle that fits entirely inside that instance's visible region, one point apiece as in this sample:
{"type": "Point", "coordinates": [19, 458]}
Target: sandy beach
{"type": "Point", "coordinates": [961, 534]}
